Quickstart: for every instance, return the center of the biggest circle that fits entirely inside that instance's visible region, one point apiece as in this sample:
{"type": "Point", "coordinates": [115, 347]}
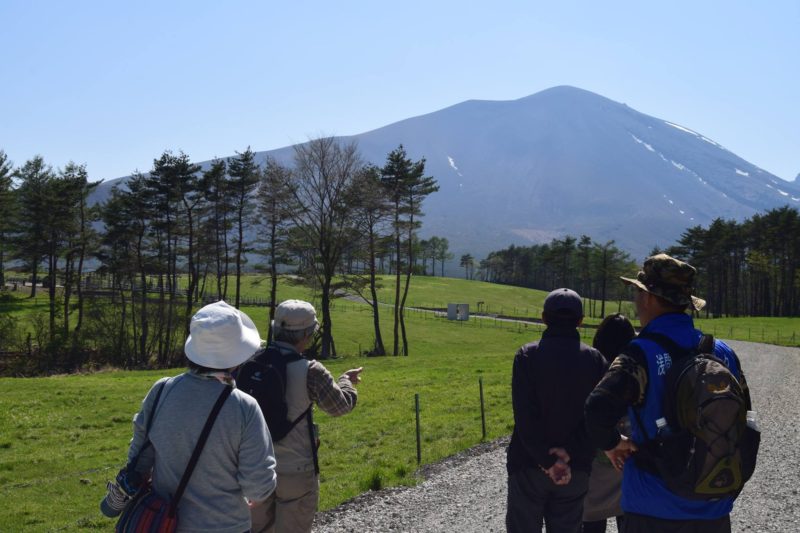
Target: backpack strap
{"type": "Point", "coordinates": [674, 349]}
{"type": "Point", "coordinates": [308, 414]}
{"type": "Point", "coordinates": [201, 441]}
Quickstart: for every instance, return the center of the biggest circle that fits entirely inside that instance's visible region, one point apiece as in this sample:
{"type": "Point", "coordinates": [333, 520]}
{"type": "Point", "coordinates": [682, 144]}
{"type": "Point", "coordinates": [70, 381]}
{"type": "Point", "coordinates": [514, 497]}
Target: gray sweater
{"type": "Point", "coordinates": [237, 461]}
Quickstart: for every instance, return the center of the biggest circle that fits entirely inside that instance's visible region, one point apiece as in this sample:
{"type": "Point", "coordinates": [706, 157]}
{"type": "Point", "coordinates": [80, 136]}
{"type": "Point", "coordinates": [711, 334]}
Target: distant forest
{"type": "Point", "coordinates": [750, 268]}
{"type": "Point", "coordinates": [588, 267]}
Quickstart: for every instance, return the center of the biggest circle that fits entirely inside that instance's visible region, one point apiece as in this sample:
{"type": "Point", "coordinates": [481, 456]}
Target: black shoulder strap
{"type": "Point", "coordinates": [272, 351]}
{"type": "Point", "coordinates": [198, 448]}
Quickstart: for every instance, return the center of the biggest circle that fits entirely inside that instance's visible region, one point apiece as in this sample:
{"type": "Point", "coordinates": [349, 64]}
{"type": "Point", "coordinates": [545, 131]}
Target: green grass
{"type": "Point", "coordinates": [782, 331]}
{"type": "Point", "coordinates": [62, 437]}
{"type": "Point", "coordinates": [504, 300]}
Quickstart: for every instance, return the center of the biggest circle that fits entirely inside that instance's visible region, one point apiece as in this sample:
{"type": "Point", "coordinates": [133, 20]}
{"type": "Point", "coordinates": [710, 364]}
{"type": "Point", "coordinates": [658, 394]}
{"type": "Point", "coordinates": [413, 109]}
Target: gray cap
{"type": "Point", "coordinates": [563, 303]}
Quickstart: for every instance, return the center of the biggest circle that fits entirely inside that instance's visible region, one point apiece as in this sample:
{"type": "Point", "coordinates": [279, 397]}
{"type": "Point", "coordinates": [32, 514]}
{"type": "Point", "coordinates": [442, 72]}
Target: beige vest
{"type": "Point", "coordinates": [294, 453]}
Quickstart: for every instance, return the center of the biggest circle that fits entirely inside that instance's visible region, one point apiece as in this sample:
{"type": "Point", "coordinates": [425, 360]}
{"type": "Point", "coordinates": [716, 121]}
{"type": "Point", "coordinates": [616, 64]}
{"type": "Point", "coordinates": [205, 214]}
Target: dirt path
{"type": "Point", "coordinates": [467, 493]}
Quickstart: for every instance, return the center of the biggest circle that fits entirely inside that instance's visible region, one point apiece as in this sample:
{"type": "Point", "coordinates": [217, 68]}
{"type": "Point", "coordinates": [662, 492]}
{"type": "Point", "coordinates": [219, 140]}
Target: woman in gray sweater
{"type": "Point", "coordinates": [237, 463]}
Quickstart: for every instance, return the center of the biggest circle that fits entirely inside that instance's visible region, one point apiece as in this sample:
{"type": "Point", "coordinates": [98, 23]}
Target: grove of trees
{"type": "Point", "coordinates": [749, 268]}
{"type": "Point", "coordinates": [169, 240]}
{"type": "Point", "coordinates": [590, 268]}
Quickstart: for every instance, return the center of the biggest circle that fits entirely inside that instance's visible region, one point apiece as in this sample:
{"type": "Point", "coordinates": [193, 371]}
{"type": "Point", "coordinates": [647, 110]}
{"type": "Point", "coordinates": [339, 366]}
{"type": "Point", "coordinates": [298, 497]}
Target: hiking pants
{"type": "Point", "coordinates": [291, 508]}
{"type": "Point", "coordinates": [533, 498]}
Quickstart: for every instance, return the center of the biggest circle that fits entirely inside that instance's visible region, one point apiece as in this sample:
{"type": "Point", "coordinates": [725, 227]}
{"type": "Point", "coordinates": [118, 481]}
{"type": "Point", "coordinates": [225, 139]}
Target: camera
{"type": "Point", "coordinates": [120, 491]}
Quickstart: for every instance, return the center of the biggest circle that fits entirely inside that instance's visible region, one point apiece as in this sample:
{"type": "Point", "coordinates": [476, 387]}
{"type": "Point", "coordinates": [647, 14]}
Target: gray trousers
{"type": "Point", "coordinates": [533, 498]}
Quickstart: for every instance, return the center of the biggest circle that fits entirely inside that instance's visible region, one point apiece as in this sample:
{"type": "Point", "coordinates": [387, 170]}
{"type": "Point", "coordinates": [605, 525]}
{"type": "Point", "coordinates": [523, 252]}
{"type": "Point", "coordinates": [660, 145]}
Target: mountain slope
{"type": "Point", "coordinates": [568, 161]}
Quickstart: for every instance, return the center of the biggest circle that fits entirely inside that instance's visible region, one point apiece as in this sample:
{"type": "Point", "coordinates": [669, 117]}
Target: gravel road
{"type": "Point", "coordinates": [467, 492]}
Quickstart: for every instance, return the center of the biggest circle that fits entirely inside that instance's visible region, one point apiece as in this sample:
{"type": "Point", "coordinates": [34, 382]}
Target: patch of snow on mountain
{"type": "Point", "coordinates": [768, 185]}
{"type": "Point", "coordinates": [795, 199]}
{"type": "Point", "coordinates": [742, 172]}
{"type": "Point", "coordinates": [681, 128]}
{"type": "Point", "coordinates": [638, 140]}
{"type": "Point", "coordinates": [782, 193]}
{"type": "Point", "coordinates": [687, 130]}
{"type": "Point", "coordinates": [453, 165]}
{"type": "Point", "coordinates": [677, 165]}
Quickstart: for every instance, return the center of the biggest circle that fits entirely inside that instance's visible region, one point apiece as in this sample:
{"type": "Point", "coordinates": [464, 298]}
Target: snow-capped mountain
{"type": "Point", "coordinates": [568, 161]}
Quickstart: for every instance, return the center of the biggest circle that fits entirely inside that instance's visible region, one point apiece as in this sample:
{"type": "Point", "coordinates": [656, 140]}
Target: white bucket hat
{"type": "Point", "coordinates": [294, 315]}
{"type": "Point", "coordinates": [221, 336]}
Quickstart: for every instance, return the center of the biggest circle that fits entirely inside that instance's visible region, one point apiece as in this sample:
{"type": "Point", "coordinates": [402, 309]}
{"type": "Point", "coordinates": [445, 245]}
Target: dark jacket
{"type": "Point", "coordinates": [550, 383]}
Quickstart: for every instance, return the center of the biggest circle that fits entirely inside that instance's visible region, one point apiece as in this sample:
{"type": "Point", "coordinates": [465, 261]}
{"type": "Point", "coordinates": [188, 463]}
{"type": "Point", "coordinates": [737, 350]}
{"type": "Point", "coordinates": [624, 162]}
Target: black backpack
{"type": "Point", "coordinates": [707, 450]}
{"type": "Point", "coordinates": [264, 378]}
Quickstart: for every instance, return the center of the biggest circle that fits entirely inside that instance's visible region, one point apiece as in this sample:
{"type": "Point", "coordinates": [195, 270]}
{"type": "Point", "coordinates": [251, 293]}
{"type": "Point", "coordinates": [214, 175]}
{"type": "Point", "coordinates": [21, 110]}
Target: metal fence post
{"type": "Point", "coordinates": [419, 446]}
{"type": "Point", "coordinates": [483, 410]}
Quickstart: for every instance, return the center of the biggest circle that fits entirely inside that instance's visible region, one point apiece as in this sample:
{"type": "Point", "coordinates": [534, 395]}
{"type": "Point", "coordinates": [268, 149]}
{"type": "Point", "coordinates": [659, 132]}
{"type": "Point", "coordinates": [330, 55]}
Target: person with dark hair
{"type": "Point", "coordinates": [291, 508]}
{"type": "Point", "coordinates": [550, 454]}
{"type": "Point", "coordinates": [237, 461]}
{"type": "Point", "coordinates": [605, 484]}
{"type": "Point", "coordinates": [636, 384]}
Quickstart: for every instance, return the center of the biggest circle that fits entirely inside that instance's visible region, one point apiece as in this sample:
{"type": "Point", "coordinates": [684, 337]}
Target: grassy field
{"type": "Point", "coordinates": [503, 300]}
{"type": "Point", "coordinates": [62, 437]}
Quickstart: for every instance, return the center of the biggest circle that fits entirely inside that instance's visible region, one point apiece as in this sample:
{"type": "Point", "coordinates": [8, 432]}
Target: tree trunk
{"type": "Point", "coordinates": [396, 346]}
{"type": "Point", "coordinates": [378, 348]}
{"type": "Point", "coordinates": [327, 334]}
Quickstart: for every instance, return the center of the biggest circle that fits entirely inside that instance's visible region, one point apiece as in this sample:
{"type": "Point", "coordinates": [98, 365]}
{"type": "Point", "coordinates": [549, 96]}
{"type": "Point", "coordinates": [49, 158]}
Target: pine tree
{"type": "Point", "coordinates": [408, 187]}
{"type": "Point", "coordinates": [8, 210]}
{"type": "Point", "coordinates": [244, 174]}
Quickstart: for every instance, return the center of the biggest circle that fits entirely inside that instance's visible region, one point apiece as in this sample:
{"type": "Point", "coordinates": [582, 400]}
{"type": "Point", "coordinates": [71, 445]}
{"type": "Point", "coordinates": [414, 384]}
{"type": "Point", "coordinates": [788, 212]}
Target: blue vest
{"type": "Point", "coordinates": [644, 493]}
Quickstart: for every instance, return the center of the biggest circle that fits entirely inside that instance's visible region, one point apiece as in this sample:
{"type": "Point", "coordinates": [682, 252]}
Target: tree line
{"type": "Point", "coordinates": [749, 268]}
{"type": "Point", "coordinates": [589, 267]}
{"type": "Point", "coordinates": [175, 236]}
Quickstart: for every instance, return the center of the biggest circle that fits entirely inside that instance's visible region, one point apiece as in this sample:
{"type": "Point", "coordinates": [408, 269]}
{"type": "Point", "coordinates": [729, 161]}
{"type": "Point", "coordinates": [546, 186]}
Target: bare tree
{"type": "Point", "coordinates": [321, 187]}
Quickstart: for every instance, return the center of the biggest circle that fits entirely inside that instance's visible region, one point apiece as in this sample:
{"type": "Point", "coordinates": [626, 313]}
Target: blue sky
{"type": "Point", "coordinates": [113, 84]}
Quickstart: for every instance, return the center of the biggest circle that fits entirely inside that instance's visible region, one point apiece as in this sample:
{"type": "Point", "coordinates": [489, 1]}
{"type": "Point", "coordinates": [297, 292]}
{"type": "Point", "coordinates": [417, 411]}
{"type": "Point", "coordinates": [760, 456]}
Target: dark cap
{"type": "Point", "coordinates": [668, 278]}
{"type": "Point", "coordinates": [563, 303]}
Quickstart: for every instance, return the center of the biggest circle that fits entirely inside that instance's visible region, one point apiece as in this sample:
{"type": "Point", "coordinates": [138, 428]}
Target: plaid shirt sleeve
{"type": "Point", "coordinates": [335, 398]}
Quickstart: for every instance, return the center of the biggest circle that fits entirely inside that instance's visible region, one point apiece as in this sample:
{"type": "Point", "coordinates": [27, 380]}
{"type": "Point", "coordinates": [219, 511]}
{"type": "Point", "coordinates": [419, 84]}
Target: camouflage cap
{"type": "Point", "coordinates": [669, 279]}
